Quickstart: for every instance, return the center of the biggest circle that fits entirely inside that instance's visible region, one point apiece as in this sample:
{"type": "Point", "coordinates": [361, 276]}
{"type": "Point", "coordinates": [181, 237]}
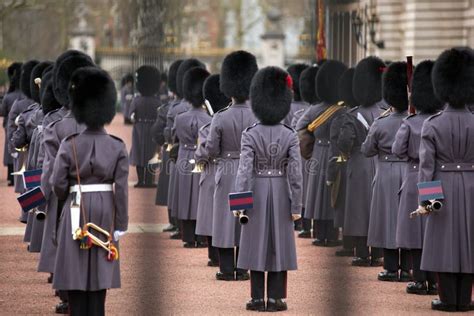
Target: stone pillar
{"type": "Point", "coordinates": [82, 37]}
{"type": "Point", "coordinates": [273, 48]}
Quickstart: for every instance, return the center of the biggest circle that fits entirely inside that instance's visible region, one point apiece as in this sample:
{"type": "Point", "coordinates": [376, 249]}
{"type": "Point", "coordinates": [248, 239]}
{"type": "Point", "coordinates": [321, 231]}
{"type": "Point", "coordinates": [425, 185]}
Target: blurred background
{"type": "Point", "coordinates": [121, 34]}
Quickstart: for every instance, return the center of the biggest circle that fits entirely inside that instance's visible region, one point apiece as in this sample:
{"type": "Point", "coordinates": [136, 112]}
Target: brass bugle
{"type": "Point", "coordinates": [96, 240]}
{"type": "Point", "coordinates": [197, 166]}
{"type": "Point", "coordinates": [168, 148]}
{"type": "Point", "coordinates": [19, 172]}
{"type": "Point", "coordinates": [243, 219]}
{"type": "Point", "coordinates": [40, 215]}
{"type": "Point", "coordinates": [434, 206]}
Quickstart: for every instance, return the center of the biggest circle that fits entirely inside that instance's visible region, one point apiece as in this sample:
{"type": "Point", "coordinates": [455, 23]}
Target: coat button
{"type": "Point", "coordinates": [228, 155]}
{"type": "Point", "coordinates": [442, 167]}
{"type": "Point", "coordinates": [458, 166]}
{"type": "Point", "coordinates": [386, 158]}
{"type": "Point", "coordinates": [279, 172]}
{"type": "Point", "coordinates": [269, 172]}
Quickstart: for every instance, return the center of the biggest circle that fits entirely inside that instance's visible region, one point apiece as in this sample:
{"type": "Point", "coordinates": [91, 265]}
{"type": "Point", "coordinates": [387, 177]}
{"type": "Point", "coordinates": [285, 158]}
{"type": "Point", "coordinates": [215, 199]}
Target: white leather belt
{"type": "Point", "coordinates": [88, 188]}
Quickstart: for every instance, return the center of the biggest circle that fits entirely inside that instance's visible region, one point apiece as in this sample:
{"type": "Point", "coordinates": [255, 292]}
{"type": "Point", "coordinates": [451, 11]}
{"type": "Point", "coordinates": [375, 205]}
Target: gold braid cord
{"type": "Point", "coordinates": [320, 120]}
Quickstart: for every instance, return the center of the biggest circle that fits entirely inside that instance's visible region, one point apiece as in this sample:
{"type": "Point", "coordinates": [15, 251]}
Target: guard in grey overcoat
{"type": "Point", "coordinates": [217, 100]}
{"type": "Point", "coordinates": [297, 104]}
{"type": "Point", "coordinates": [360, 170]}
{"type": "Point", "coordinates": [318, 200]}
{"type": "Point", "coordinates": [223, 143]}
{"type": "Point", "coordinates": [447, 154]}
{"type": "Point", "coordinates": [185, 133]}
{"type": "Point", "coordinates": [410, 231]}
{"type": "Point", "coordinates": [174, 110]}
{"type": "Point", "coordinates": [336, 171]}
{"type": "Point", "coordinates": [388, 175]}
{"type": "Point", "coordinates": [126, 96]}
{"type": "Point", "coordinates": [270, 167]}
{"type": "Point", "coordinates": [22, 138]}
{"type": "Point", "coordinates": [143, 112]}
{"type": "Point", "coordinates": [100, 162]}
{"type": "Point", "coordinates": [48, 104]}
{"type": "Point", "coordinates": [307, 88]}
{"type": "Point", "coordinates": [162, 137]}
{"type": "Point", "coordinates": [13, 93]}
{"type": "Point", "coordinates": [53, 135]}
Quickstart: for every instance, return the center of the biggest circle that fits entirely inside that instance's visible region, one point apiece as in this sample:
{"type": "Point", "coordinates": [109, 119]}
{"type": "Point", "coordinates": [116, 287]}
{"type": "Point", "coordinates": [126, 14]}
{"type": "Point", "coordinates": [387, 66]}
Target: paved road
{"type": "Point", "coordinates": [160, 277]}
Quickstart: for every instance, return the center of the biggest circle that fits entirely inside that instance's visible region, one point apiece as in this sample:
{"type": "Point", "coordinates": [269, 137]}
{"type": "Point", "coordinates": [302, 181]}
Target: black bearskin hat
{"type": "Point", "coordinates": [126, 79]}
{"type": "Point", "coordinates": [308, 85]}
{"type": "Point", "coordinates": [422, 94]}
{"type": "Point", "coordinates": [147, 80]}
{"type": "Point", "coordinates": [270, 95]}
{"type": "Point", "coordinates": [37, 73]}
{"type": "Point", "coordinates": [345, 88]}
{"type": "Point", "coordinates": [394, 84]}
{"type": "Point", "coordinates": [93, 97]}
{"type": "Point", "coordinates": [193, 82]}
{"type": "Point", "coordinates": [213, 93]}
{"type": "Point", "coordinates": [237, 71]}
{"type": "Point", "coordinates": [48, 101]}
{"type": "Point", "coordinates": [14, 73]}
{"type": "Point", "coordinates": [183, 67]}
{"type": "Point", "coordinates": [453, 76]}
{"type": "Point", "coordinates": [172, 74]}
{"type": "Point", "coordinates": [327, 81]}
{"type": "Point", "coordinates": [64, 66]}
{"type": "Point", "coordinates": [25, 78]}
{"type": "Point", "coordinates": [367, 83]}
{"type": "Point", "coordinates": [295, 71]}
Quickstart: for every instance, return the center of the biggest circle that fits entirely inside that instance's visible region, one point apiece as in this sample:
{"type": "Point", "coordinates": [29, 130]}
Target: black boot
{"type": "Point", "coordinates": [304, 234]}
{"type": "Point", "coordinates": [242, 275]}
{"type": "Point", "coordinates": [432, 289]}
{"type": "Point", "coordinates": [419, 288]}
{"type": "Point", "coordinates": [276, 305]}
{"type": "Point", "coordinates": [438, 305]}
{"type": "Point", "coordinates": [255, 305]}
{"type": "Point", "coordinates": [141, 177]}
{"type": "Point", "coordinates": [225, 276]}
{"type": "Point", "coordinates": [385, 275]}
{"type": "Point", "coordinates": [62, 308]}
{"type": "Point", "coordinates": [361, 262]}
{"type": "Point", "coordinates": [405, 276]}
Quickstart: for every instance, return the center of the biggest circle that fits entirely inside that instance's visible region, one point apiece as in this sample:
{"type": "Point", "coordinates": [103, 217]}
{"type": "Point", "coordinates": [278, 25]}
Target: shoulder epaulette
{"type": "Point", "coordinates": [351, 110]}
{"type": "Point", "coordinates": [252, 126]}
{"type": "Point", "coordinates": [117, 138]}
{"type": "Point", "coordinates": [51, 124]}
{"type": "Point", "coordinates": [71, 136]}
{"type": "Point", "coordinates": [435, 115]}
{"type": "Point", "coordinates": [205, 126]}
{"type": "Point", "coordinates": [289, 127]}
{"type": "Point", "coordinates": [224, 109]}
{"type": "Point", "coordinates": [410, 116]}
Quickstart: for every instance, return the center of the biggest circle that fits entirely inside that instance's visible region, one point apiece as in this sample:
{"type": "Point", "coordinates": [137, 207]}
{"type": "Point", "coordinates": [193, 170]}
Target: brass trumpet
{"type": "Point", "coordinates": [243, 218]}
{"type": "Point", "coordinates": [168, 148]}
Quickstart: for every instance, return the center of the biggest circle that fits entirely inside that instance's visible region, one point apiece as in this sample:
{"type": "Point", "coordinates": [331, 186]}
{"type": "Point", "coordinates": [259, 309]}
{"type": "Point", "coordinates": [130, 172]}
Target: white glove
{"type": "Point", "coordinates": [118, 234]}
{"type": "Point", "coordinates": [17, 120]}
{"type": "Point", "coordinates": [14, 155]}
{"type": "Point", "coordinates": [236, 213]}
{"type": "Point", "coordinates": [132, 117]}
{"type": "Point", "coordinates": [329, 183]}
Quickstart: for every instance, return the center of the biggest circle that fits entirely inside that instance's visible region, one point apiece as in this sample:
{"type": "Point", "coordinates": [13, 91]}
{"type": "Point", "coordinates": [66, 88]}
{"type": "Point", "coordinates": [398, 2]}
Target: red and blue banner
{"type": "Point", "coordinates": [431, 190]}
{"type": "Point", "coordinates": [31, 199]}
{"type": "Point", "coordinates": [32, 178]}
{"type": "Point", "coordinates": [241, 201]}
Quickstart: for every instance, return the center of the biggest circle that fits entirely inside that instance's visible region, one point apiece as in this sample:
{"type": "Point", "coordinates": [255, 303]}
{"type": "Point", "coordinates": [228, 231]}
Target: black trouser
{"type": "Point", "coordinates": [276, 284]}
{"type": "Point", "coordinates": [90, 303]}
{"type": "Point", "coordinates": [347, 242]}
{"type": "Point", "coordinates": [455, 288]}
{"type": "Point", "coordinates": [189, 231]}
{"type": "Point", "coordinates": [418, 274]}
{"type": "Point", "coordinates": [149, 176]}
{"type": "Point", "coordinates": [10, 177]}
{"type": "Point", "coordinates": [396, 259]}
{"type": "Point", "coordinates": [212, 252]}
{"type": "Point", "coordinates": [361, 248]}
{"type": "Point", "coordinates": [141, 175]}
{"type": "Point", "coordinates": [228, 260]}
{"type": "Point", "coordinates": [325, 230]}
{"type": "Point", "coordinates": [303, 223]}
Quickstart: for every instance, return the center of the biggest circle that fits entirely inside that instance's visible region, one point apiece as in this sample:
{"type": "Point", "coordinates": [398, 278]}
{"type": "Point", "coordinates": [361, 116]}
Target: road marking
{"type": "Point", "coordinates": [132, 229]}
